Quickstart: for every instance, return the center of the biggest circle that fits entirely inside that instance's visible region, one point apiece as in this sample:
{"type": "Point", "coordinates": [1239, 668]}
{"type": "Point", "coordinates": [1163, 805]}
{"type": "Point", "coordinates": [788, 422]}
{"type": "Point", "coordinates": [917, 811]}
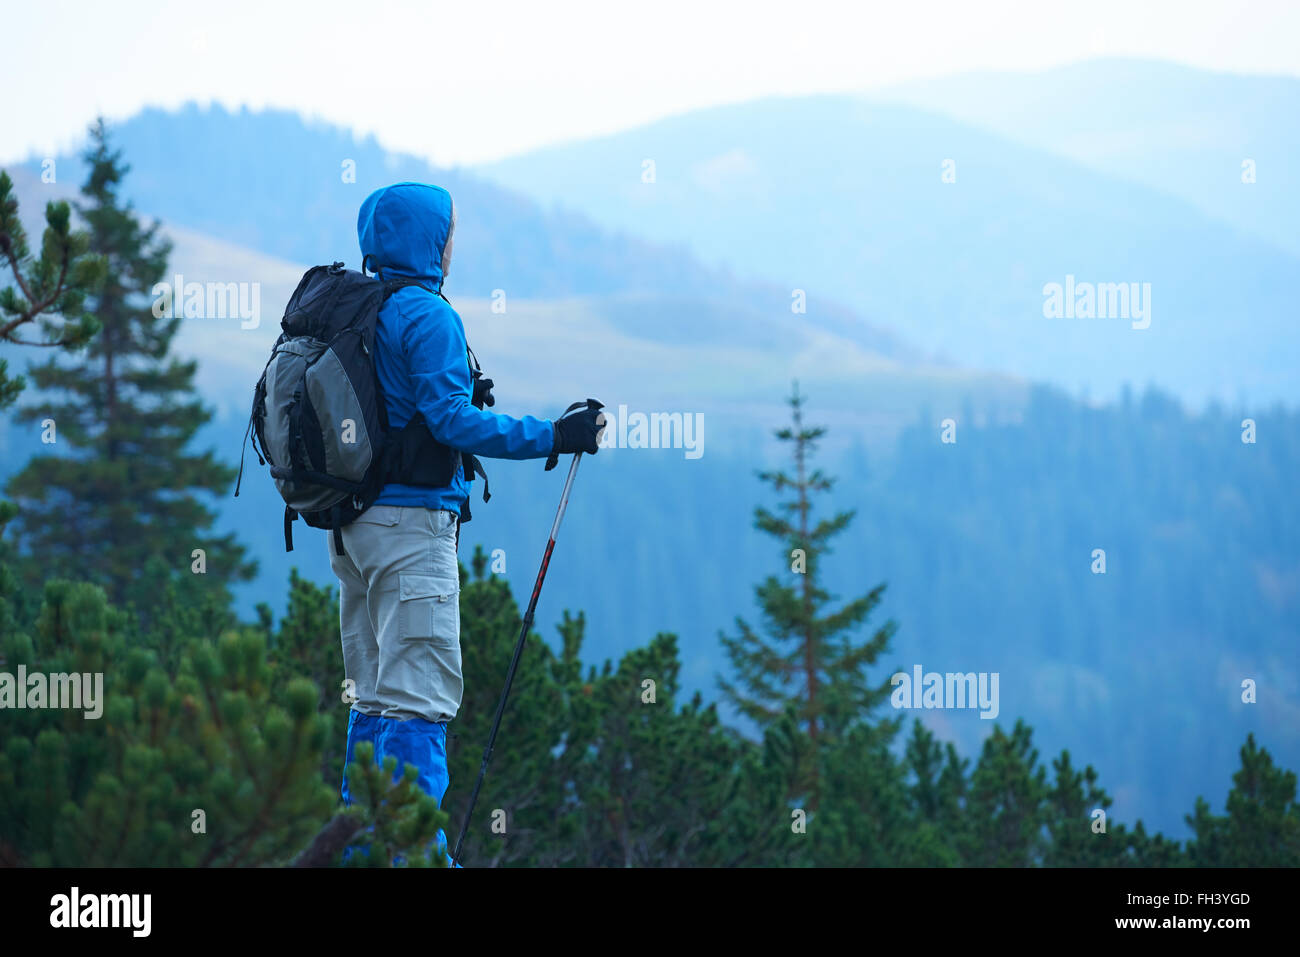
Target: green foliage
{"type": "Point", "coordinates": [306, 645]}
{"type": "Point", "coordinates": [936, 796]}
{"type": "Point", "coordinates": [523, 783]}
{"type": "Point", "coordinates": [585, 757]}
{"type": "Point", "coordinates": [1007, 813]}
{"type": "Point", "coordinates": [404, 817]}
{"type": "Point", "coordinates": [49, 290]}
{"type": "Point", "coordinates": [595, 767]}
{"type": "Point", "coordinates": [1004, 802]}
{"type": "Point", "coordinates": [207, 753]}
{"type": "Point", "coordinates": [809, 661]}
{"type": "Point", "coordinates": [124, 498]}
{"type": "Point", "coordinates": [1262, 824]}
{"type": "Point", "coordinates": [189, 765]}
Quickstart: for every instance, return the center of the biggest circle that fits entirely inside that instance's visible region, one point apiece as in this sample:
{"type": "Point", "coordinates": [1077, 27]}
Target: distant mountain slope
{"type": "Point", "coordinates": [273, 182]}
{"type": "Point", "coordinates": [646, 351]}
{"type": "Point", "coordinates": [1177, 129]}
{"type": "Point", "coordinates": [713, 352]}
{"type": "Point", "coordinates": [845, 199]}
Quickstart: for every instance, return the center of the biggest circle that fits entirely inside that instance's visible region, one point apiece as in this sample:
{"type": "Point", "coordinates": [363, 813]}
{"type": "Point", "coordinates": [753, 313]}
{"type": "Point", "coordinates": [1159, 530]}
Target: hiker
{"type": "Point", "coordinates": [398, 574]}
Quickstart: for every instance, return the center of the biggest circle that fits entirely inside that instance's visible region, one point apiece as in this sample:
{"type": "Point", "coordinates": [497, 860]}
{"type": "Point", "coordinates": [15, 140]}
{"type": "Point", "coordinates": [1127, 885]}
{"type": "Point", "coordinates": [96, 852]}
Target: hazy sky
{"type": "Point", "coordinates": [474, 80]}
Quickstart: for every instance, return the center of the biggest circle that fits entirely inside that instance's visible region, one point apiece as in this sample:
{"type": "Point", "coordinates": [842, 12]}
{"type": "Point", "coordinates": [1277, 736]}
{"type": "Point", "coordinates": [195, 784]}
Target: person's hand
{"type": "Point", "coordinates": [578, 430]}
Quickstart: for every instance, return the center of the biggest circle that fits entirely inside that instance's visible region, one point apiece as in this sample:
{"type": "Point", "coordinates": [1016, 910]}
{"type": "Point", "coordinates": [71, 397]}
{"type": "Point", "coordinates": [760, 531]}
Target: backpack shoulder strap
{"type": "Point", "coordinates": [471, 464]}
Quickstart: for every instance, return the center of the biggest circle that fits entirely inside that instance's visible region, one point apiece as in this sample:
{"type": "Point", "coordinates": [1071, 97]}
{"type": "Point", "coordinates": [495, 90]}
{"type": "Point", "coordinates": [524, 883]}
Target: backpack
{"type": "Point", "coordinates": [319, 418]}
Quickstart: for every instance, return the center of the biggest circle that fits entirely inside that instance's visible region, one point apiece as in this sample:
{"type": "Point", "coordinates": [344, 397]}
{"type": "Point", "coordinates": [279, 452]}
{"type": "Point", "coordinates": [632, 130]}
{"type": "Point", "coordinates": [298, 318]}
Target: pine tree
{"type": "Point", "coordinates": [594, 766]}
{"type": "Point", "coordinates": [1154, 850]}
{"type": "Point", "coordinates": [191, 765]}
{"type": "Point", "coordinates": [937, 794]}
{"type": "Point", "coordinates": [808, 660]}
{"type": "Point", "coordinates": [212, 760]}
{"type": "Point", "coordinates": [1262, 824]}
{"type": "Point", "coordinates": [639, 745]}
{"type": "Point", "coordinates": [1081, 837]}
{"type": "Point", "coordinates": [764, 826]}
{"type": "Point", "coordinates": [306, 644]}
{"type": "Point", "coordinates": [863, 818]}
{"type": "Point", "coordinates": [403, 820]}
{"type": "Point", "coordinates": [49, 290]}
{"type": "Point", "coordinates": [123, 501]}
{"type": "Point", "coordinates": [1005, 803]}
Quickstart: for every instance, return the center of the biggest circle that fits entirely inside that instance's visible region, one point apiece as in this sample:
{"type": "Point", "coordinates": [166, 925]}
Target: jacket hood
{"type": "Point", "coordinates": [403, 230]}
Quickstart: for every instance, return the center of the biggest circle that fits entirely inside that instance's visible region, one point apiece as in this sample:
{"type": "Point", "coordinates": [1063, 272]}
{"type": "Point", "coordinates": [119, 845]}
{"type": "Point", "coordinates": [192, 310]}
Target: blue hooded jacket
{"type": "Point", "coordinates": [420, 357]}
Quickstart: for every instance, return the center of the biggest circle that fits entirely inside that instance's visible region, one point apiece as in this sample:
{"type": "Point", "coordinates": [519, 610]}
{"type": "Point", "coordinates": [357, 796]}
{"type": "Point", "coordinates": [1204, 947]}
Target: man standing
{"type": "Point", "coordinates": [399, 582]}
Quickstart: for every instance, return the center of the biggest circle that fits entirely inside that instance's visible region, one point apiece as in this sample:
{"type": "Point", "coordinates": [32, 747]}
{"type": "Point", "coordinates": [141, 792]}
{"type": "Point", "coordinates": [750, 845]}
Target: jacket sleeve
{"type": "Point", "coordinates": [434, 342]}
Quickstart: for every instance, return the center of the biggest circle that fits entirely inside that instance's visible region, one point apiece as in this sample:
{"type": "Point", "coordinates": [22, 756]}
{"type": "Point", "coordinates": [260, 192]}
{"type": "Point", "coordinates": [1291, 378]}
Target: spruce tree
{"type": "Point", "coordinates": [120, 508]}
{"type": "Point", "coordinates": [809, 659]}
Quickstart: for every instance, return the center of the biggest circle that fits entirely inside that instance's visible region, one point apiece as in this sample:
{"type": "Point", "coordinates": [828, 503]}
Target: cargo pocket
{"type": "Point", "coordinates": [425, 667]}
{"type": "Point", "coordinates": [429, 609]}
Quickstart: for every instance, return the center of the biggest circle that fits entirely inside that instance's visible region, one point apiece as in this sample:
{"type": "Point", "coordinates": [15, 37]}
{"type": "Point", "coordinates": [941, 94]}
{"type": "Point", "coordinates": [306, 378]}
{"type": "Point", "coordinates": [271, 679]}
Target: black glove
{"type": "Point", "coordinates": [482, 393]}
{"type": "Point", "coordinates": [578, 430]}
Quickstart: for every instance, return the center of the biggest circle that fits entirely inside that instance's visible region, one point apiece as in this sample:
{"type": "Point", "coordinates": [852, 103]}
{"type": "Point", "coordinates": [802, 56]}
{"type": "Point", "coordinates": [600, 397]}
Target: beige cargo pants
{"type": "Point", "coordinates": [399, 612]}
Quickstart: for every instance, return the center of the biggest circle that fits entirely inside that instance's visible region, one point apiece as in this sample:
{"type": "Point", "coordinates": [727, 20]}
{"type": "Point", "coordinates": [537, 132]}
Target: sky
{"type": "Point", "coordinates": [460, 83]}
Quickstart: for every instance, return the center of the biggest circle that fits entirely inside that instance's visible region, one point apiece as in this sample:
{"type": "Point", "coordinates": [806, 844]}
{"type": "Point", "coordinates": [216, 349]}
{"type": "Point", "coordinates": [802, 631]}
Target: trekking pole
{"type": "Point", "coordinates": [519, 649]}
